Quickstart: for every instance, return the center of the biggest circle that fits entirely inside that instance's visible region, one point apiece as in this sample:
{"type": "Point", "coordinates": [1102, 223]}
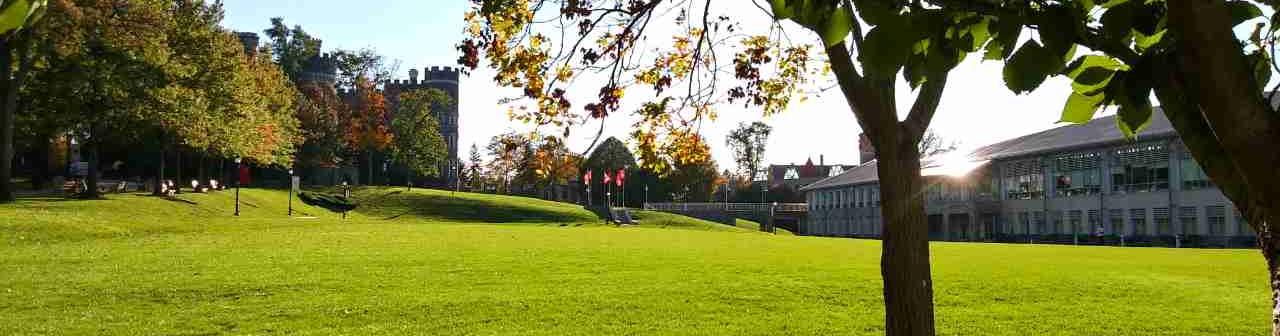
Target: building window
{"type": "Point", "coordinates": [791, 174]}
{"type": "Point", "coordinates": [1077, 175]}
{"type": "Point", "coordinates": [1074, 218]}
{"type": "Point", "coordinates": [1161, 217]}
{"type": "Point", "coordinates": [1116, 219]}
{"type": "Point", "coordinates": [835, 170]}
{"type": "Point", "coordinates": [1024, 180]}
{"type": "Point", "coordinates": [1187, 217]}
{"type": "Point", "coordinates": [1193, 176]}
{"type": "Point", "coordinates": [1040, 224]}
{"type": "Point", "coordinates": [1138, 218]}
{"type": "Point", "coordinates": [1140, 168]}
{"type": "Point", "coordinates": [1216, 217]}
{"type": "Point", "coordinates": [875, 197]}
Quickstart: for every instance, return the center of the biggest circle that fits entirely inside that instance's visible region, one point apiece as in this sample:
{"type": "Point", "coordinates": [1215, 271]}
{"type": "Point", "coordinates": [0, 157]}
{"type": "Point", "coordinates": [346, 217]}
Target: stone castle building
{"type": "Point", "coordinates": [322, 70]}
{"type": "Point", "coordinates": [444, 79]}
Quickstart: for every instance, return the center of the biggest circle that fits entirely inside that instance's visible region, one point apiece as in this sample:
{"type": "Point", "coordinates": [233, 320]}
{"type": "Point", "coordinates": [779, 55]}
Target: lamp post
{"type": "Point", "coordinates": [290, 192]}
{"type": "Point", "coordinates": [646, 195]}
{"type": "Point", "coordinates": [346, 195]}
{"type": "Point", "coordinates": [238, 178]}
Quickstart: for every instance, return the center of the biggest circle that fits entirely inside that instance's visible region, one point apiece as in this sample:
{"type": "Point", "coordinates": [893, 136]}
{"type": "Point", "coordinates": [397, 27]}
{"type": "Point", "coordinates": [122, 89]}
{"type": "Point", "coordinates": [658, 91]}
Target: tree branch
{"type": "Point", "coordinates": [926, 104]}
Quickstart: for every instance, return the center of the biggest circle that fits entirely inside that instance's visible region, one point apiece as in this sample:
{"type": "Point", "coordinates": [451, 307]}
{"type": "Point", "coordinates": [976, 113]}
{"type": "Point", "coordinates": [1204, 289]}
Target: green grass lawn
{"type": "Point", "coordinates": [448, 265]}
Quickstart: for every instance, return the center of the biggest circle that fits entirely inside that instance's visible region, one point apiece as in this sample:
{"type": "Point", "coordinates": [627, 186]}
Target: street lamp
{"type": "Point", "coordinates": [646, 195]}
{"type": "Point", "coordinates": [238, 178]}
{"type": "Point", "coordinates": [346, 195]}
{"type": "Point", "coordinates": [290, 192]}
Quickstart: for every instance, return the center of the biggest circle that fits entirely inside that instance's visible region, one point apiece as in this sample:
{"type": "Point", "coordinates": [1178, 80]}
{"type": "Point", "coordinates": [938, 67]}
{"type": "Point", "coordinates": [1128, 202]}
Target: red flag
{"type": "Point", "coordinates": [587, 177]}
{"type": "Point", "coordinates": [621, 174]}
{"type": "Point", "coordinates": [244, 175]}
{"type": "Point", "coordinates": [606, 178]}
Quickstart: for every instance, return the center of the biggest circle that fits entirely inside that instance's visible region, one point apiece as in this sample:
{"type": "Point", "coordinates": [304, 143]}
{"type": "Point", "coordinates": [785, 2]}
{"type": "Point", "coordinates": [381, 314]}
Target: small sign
{"type": "Point", "coordinates": [297, 184]}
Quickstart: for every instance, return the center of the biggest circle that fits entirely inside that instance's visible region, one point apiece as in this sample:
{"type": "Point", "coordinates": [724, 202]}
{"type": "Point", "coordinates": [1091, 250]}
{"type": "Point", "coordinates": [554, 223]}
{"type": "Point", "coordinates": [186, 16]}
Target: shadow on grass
{"type": "Point", "coordinates": [397, 204]}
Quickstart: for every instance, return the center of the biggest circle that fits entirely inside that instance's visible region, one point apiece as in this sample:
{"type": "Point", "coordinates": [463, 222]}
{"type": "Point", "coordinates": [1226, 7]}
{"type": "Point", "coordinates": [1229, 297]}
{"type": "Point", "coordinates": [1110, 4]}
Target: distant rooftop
{"type": "Point", "coordinates": [1096, 132]}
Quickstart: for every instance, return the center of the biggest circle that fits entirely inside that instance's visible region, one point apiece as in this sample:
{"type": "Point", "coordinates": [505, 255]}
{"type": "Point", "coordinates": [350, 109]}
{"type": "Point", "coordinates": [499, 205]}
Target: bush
{"type": "Point", "coordinates": [334, 203]}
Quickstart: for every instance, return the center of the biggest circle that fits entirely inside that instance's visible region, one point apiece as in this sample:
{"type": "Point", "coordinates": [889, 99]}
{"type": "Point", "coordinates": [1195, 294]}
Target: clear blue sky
{"type": "Point", "coordinates": [976, 109]}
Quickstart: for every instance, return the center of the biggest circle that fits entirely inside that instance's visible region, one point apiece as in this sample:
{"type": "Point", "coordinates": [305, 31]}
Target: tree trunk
{"type": "Point", "coordinates": [200, 169]}
{"type": "Point", "coordinates": [43, 174]}
{"type": "Point", "coordinates": [6, 121]}
{"type": "Point", "coordinates": [904, 262]}
{"type": "Point", "coordinates": [177, 170]}
{"type": "Point", "coordinates": [91, 147]}
{"type": "Point", "coordinates": [160, 174]}
{"type": "Point", "coordinates": [1226, 120]}
{"type": "Point", "coordinates": [368, 158]}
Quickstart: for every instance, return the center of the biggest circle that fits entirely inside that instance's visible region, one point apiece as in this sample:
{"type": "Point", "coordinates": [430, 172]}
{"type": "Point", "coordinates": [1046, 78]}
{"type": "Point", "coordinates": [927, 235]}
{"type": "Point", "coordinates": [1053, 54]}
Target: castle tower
{"type": "Point", "coordinates": [250, 41]}
{"type": "Point", "coordinates": [444, 79]}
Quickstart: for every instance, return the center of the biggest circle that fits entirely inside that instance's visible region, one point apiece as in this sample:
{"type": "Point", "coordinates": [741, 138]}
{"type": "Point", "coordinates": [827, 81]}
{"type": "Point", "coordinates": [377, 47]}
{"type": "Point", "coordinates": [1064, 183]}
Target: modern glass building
{"type": "Point", "coordinates": [1078, 184]}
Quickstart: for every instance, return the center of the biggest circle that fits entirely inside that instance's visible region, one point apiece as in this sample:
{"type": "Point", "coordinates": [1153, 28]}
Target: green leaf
{"type": "Point", "coordinates": [1145, 41]}
{"type": "Point", "coordinates": [1242, 11]}
{"type": "Point", "coordinates": [1133, 119]}
{"type": "Point", "coordinates": [1080, 108]}
{"type": "Point", "coordinates": [14, 15]}
{"type": "Point", "coordinates": [1113, 3]}
{"type": "Point", "coordinates": [877, 12]}
{"type": "Point", "coordinates": [1028, 67]}
{"type": "Point", "coordinates": [884, 51]}
{"type": "Point", "coordinates": [1091, 73]}
{"type": "Point", "coordinates": [780, 10]}
{"type": "Point", "coordinates": [837, 27]}
{"type": "Point", "coordinates": [1132, 92]}
{"type": "Point", "coordinates": [1059, 40]}
{"type": "Point", "coordinates": [1117, 23]}
{"type": "Point", "coordinates": [980, 33]}
{"type": "Point", "coordinates": [1006, 30]}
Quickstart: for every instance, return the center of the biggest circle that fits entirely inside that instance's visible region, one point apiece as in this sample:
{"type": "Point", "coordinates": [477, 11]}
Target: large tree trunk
{"type": "Point", "coordinates": [1226, 121]}
{"type": "Point", "coordinates": [91, 148]}
{"type": "Point", "coordinates": [6, 121]}
{"type": "Point", "coordinates": [904, 261]}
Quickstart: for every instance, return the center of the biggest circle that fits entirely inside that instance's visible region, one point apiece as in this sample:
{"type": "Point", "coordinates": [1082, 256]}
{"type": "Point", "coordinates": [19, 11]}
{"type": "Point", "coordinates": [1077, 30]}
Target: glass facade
{"type": "Point", "coordinates": [1193, 176]}
{"type": "Point", "coordinates": [1077, 175]}
{"type": "Point", "coordinates": [1140, 168]}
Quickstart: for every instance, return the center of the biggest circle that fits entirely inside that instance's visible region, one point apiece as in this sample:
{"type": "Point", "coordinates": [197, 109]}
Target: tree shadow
{"type": "Point", "coordinates": [458, 209]}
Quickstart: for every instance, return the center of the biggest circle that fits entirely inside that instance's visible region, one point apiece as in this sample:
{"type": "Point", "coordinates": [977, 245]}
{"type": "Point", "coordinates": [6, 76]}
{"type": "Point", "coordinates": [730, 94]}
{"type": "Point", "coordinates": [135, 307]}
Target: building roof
{"type": "Point", "coordinates": [807, 171]}
{"type": "Point", "coordinates": [1096, 132]}
{"type": "Point", "coordinates": [856, 175]}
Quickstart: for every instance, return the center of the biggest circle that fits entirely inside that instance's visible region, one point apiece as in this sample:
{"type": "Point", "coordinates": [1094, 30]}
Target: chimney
{"type": "Point", "coordinates": [413, 76]}
{"type": "Point", "coordinates": [821, 160]}
{"type": "Point", "coordinates": [866, 152]}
